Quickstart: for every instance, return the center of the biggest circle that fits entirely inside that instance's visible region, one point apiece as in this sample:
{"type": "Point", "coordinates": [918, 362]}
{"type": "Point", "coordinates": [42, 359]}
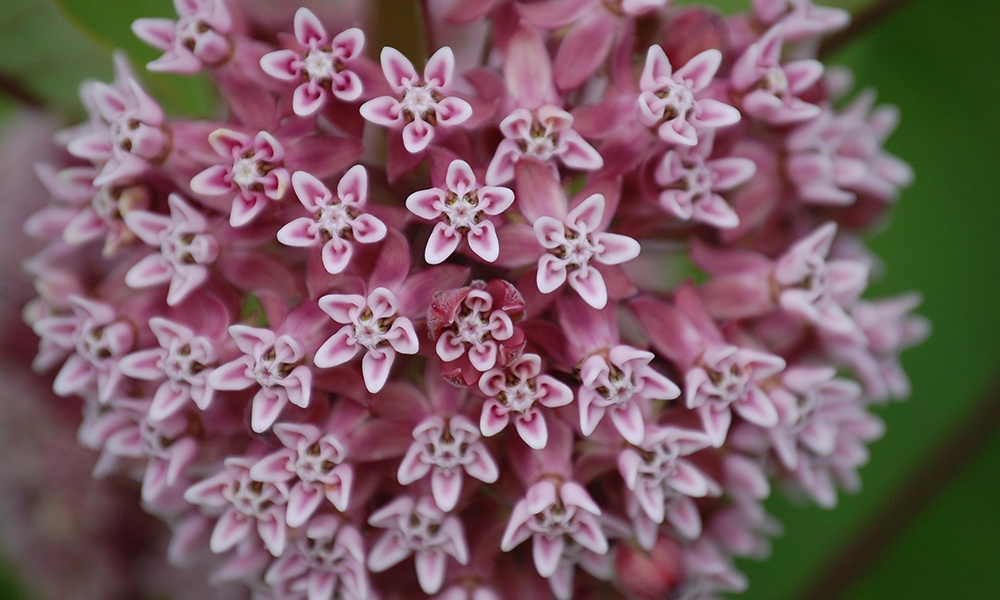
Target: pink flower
{"type": "Point", "coordinates": [420, 104]}
{"type": "Point", "coordinates": [200, 36]}
{"type": "Point", "coordinates": [771, 90]}
{"type": "Point", "coordinates": [815, 289]}
{"type": "Point", "coordinates": [552, 517]}
{"type": "Point", "coordinates": [372, 324]}
{"type": "Point", "coordinates": [98, 339]}
{"type": "Point", "coordinates": [256, 173]}
{"type": "Point", "coordinates": [800, 18]}
{"type": "Point", "coordinates": [513, 391]}
{"type": "Point", "coordinates": [129, 136]}
{"type": "Point", "coordinates": [690, 183]}
{"type": "Point", "coordinates": [328, 561]}
{"type": "Point", "coordinates": [186, 249]}
{"type": "Point", "coordinates": [182, 363]}
{"type": "Point", "coordinates": [321, 65]}
{"type": "Point", "coordinates": [663, 483]}
{"type": "Point", "coordinates": [620, 382]}
{"type": "Point", "coordinates": [462, 208]}
{"type": "Point", "coordinates": [245, 505]}
{"type": "Point", "coordinates": [443, 447]}
{"type": "Point", "coordinates": [273, 362]}
{"type": "Point", "coordinates": [334, 222]}
{"type": "Point", "coordinates": [670, 100]}
{"type": "Point", "coordinates": [544, 133]}
{"type": "Point", "coordinates": [573, 242]}
{"type": "Point", "coordinates": [311, 465]}
{"type": "Point", "coordinates": [474, 329]}
{"type": "Point", "coordinates": [420, 528]}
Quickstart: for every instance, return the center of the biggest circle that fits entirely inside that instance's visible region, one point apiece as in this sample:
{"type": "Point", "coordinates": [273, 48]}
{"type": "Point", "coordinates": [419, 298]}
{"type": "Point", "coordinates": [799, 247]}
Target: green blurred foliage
{"type": "Point", "coordinates": [937, 62]}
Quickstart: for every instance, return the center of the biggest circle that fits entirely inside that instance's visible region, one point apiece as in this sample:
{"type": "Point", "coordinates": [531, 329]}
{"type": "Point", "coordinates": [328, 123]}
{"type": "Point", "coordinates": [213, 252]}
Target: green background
{"type": "Point", "coordinates": [929, 508]}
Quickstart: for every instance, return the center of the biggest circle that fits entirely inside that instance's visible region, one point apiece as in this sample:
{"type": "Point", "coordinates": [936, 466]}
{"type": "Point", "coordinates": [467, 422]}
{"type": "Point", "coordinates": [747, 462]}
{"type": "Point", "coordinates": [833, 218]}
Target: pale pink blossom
{"type": "Point", "coordinates": [461, 208]}
{"type": "Point", "coordinates": [516, 391]}
{"type": "Point", "coordinates": [420, 528]}
{"type": "Point", "coordinates": [672, 102]}
{"type": "Point", "coordinates": [800, 18]}
{"type": "Point", "coordinates": [186, 249]}
{"type": "Point", "coordinates": [275, 363]}
{"type": "Point", "coordinates": [554, 514]}
{"type": "Point", "coordinates": [443, 448]}
{"type": "Point", "coordinates": [335, 222]}
{"type": "Point", "coordinates": [199, 37]}
{"type": "Point", "coordinates": [312, 465]}
{"type": "Point", "coordinates": [244, 506]}
{"type": "Point", "coordinates": [371, 324]}
{"type": "Point", "coordinates": [321, 64]}
{"type": "Point", "coordinates": [182, 363]}
{"type": "Point", "coordinates": [771, 89]}
{"type": "Point", "coordinates": [328, 561]}
{"type": "Point", "coordinates": [254, 171]}
{"type": "Point", "coordinates": [420, 104]}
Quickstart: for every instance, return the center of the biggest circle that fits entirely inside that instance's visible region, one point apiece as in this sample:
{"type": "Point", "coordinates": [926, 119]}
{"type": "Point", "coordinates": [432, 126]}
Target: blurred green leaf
{"type": "Point", "coordinates": [111, 28]}
{"type": "Point", "coordinates": [46, 57]}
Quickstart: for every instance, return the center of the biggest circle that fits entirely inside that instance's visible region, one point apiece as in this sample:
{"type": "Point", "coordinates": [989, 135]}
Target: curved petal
{"type": "Point", "coordinates": [281, 64]}
{"type": "Point", "coordinates": [336, 350]}
{"type": "Point", "coordinates": [442, 243]}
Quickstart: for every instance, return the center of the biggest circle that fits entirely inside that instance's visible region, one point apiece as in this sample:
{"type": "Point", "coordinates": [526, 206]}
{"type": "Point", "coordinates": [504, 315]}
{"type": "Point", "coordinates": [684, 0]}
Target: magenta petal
{"type": "Point", "coordinates": [144, 364]}
{"type": "Point", "coordinates": [453, 111]}
{"type": "Point", "coordinates": [375, 367]}
{"type": "Point", "coordinates": [150, 271]}
{"type": "Point", "coordinates": [484, 242]}
{"type": "Point", "coordinates": [494, 418]}
{"type": "Point", "coordinates": [588, 214]}
{"type": "Point", "coordinates": [584, 49]}
{"type": "Point", "coordinates": [308, 98]}
{"type": "Point", "coordinates": [417, 135]}
{"type": "Point", "coordinates": [281, 65]}
{"type": "Point", "coordinates": [547, 551]}
{"type": "Point", "coordinates": [186, 279]}
{"type": "Point", "coordinates": [589, 534]}
{"type": "Point", "coordinates": [551, 274]}
{"type": "Point", "coordinates": [233, 375]}
{"type": "Point", "coordinates": [308, 28]}
{"type": "Point", "coordinates": [245, 209]}
{"type": "Point", "coordinates": [757, 408]}
{"type": "Point", "coordinates": [300, 233]}
{"type": "Point", "coordinates": [384, 111]}
{"type": "Point", "coordinates": [699, 71]}
{"type": "Point", "coordinates": [552, 392]}
{"type": "Point", "coordinates": [266, 407]}
{"type": "Point", "coordinates": [538, 191]}
{"type": "Point", "coordinates": [532, 428]}
{"type": "Point", "coordinates": [274, 535]}
{"type": "Point", "coordinates": [397, 68]}
{"type": "Point", "coordinates": [367, 229]}
{"type": "Point", "coordinates": [716, 423]}
{"type": "Point", "coordinates": [447, 487]}
{"type": "Point", "coordinates": [310, 191]}
{"type": "Point", "coordinates": [412, 468]}
{"type": "Point", "coordinates": [712, 114]}
{"type": "Point", "coordinates": [336, 255]}
{"type": "Point", "coordinates": [169, 399]}
{"type": "Point", "coordinates": [303, 500]}
{"type": "Point", "coordinates": [158, 33]}
{"type": "Point", "coordinates": [430, 564]}
{"type": "Point", "coordinates": [229, 531]}
{"type": "Point", "coordinates": [337, 350]}
{"type": "Point", "coordinates": [629, 422]}
{"type": "Point", "coordinates": [576, 153]}
{"type": "Point", "coordinates": [387, 552]}
{"type": "Point", "coordinates": [615, 249]}
{"type": "Point", "coordinates": [683, 514]}
{"type": "Point", "coordinates": [589, 283]}
{"type": "Point", "coordinates": [439, 67]}
{"type": "Point", "coordinates": [442, 243]}
{"type": "Point", "coordinates": [426, 204]}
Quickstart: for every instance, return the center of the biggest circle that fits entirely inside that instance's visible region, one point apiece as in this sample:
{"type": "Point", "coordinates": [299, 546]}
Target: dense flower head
{"type": "Point", "coordinates": [408, 333]}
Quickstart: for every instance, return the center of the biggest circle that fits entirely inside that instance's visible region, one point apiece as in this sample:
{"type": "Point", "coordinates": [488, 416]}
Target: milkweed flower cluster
{"type": "Point", "coordinates": [542, 313]}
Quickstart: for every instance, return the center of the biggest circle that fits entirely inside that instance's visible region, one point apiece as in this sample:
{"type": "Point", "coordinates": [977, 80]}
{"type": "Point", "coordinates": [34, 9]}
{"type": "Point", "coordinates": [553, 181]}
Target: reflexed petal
{"type": "Point", "coordinates": [657, 69]}
{"type": "Point", "coordinates": [587, 216]}
{"type": "Point", "coordinates": [453, 111]}
{"type": "Point", "coordinates": [336, 350]}
{"type": "Point", "coordinates": [337, 254]}
{"type": "Point", "coordinates": [303, 500]}
{"type": "Point", "coordinates": [615, 248]}
{"type": "Point", "coordinates": [425, 203]}
{"type": "Point", "coordinates": [589, 283]}
{"type": "Point", "coordinates": [367, 229]}
{"type": "Point", "coordinates": [281, 65]}
{"type": "Point", "coordinates": [484, 242]}
{"type": "Point", "coordinates": [397, 69]}
{"type": "Point", "coordinates": [300, 233]}
{"type": "Point", "coordinates": [576, 153]}
{"type": "Point", "coordinates": [310, 191]}
{"type": "Point", "coordinates": [375, 367]}
{"type": "Point", "coordinates": [169, 399]}
{"type": "Point", "coordinates": [387, 552]}
{"type": "Point", "coordinates": [430, 565]}
{"type": "Point", "coordinates": [417, 135]}
{"type": "Point", "coordinates": [342, 308]}
{"type": "Point", "coordinates": [353, 186]}
{"type": "Point", "coordinates": [233, 375]}
{"type": "Point", "coordinates": [532, 428]}
{"type": "Point", "coordinates": [439, 67]}
{"type": "Point", "coordinates": [699, 71]}
{"type": "Point", "coordinates": [308, 29]}
{"type": "Point", "coordinates": [229, 531]}
{"type": "Point", "coordinates": [442, 243]}
{"type": "Point", "coordinates": [547, 551]}
{"type": "Point", "coordinates": [150, 271]}
{"type": "Point", "coordinates": [494, 418]}
{"type": "Point", "coordinates": [266, 407]}
{"type": "Point", "coordinates": [384, 110]}
{"type": "Point", "coordinates": [551, 274]}
{"type": "Point", "coordinates": [446, 486]}
{"type": "Point", "coordinates": [308, 98]}
{"type": "Point", "coordinates": [629, 422]}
